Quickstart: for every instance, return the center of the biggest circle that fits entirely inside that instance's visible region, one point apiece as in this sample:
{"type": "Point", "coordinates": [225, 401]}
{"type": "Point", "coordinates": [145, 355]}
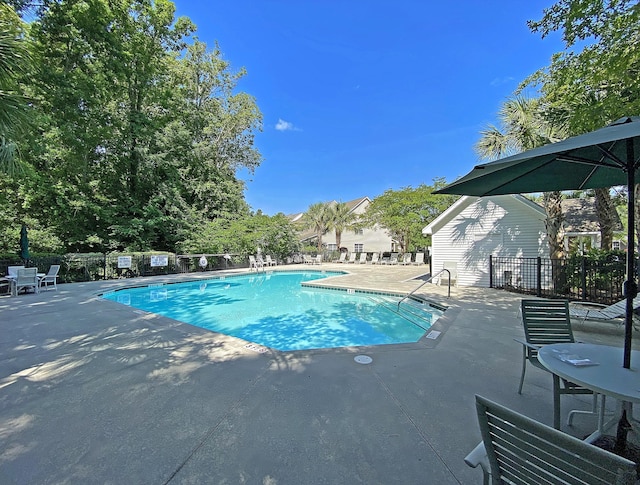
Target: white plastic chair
{"type": "Point", "coordinates": [50, 278]}
{"type": "Point", "coordinates": [27, 278]}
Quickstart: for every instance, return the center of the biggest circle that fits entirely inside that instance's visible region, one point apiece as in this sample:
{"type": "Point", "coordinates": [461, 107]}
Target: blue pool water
{"type": "Point", "coordinates": [274, 310]}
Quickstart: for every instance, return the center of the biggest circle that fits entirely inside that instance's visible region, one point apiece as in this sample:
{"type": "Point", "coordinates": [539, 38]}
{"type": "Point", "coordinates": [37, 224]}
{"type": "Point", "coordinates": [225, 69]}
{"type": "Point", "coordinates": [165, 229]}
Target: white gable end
{"type": "Point", "coordinates": [477, 228]}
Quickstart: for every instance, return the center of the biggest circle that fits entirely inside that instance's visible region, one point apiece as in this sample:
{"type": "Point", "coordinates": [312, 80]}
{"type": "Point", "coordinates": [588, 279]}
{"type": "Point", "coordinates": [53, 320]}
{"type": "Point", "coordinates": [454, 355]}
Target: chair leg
{"type": "Point", "coordinates": [524, 368]}
{"type": "Point", "coordinates": [594, 411]}
{"type": "Point", "coordinates": [556, 402]}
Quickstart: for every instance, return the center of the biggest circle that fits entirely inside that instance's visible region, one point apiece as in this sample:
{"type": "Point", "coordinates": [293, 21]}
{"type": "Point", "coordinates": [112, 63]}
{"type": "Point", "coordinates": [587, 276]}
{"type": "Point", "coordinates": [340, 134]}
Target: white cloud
{"type": "Point", "coordinates": [283, 125]}
{"type": "Point", "coordinates": [501, 80]}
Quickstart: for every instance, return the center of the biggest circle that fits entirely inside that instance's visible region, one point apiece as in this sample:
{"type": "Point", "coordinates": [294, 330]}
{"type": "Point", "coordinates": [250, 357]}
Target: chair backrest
{"type": "Point", "coordinates": [363, 257]}
{"type": "Point", "coordinates": [523, 451]}
{"type": "Point", "coordinates": [406, 258]}
{"type": "Point", "coordinates": [27, 276]}
{"type": "Point", "coordinates": [375, 257]}
{"type": "Point", "coordinates": [452, 266]}
{"type": "Point", "coordinates": [352, 257]}
{"type": "Point", "coordinates": [342, 256]}
{"type": "Point", "coordinates": [13, 270]}
{"type": "Point", "coordinates": [53, 270]}
{"type": "Point", "coordinates": [546, 322]}
{"type": "Point", "coordinates": [394, 258]}
{"type": "Point", "coordinates": [419, 258]}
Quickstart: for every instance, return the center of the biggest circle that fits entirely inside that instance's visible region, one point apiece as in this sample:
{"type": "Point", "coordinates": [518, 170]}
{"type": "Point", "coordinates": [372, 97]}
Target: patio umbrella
{"type": "Point", "coordinates": [24, 243]}
{"type": "Point", "coordinates": [601, 158]}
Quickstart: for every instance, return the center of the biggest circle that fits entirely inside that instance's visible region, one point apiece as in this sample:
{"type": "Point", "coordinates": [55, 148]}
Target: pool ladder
{"type": "Point", "coordinates": [412, 310]}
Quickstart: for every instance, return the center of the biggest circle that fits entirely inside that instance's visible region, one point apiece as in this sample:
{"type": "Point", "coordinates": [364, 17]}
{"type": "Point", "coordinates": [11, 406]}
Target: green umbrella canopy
{"type": "Point", "coordinates": [601, 158]}
{"type": "Point", "coordinates": [593, 160]}
{"type": "Point", "coordinates": [24, 243]}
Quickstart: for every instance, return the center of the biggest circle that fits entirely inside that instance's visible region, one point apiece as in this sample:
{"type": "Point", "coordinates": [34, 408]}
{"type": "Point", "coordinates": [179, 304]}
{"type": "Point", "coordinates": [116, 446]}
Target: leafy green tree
{"type": "Point", "coordinates": [585, 89]}
{"type": "Point", "coordinates": [139, 134]}
{"type": "Point", "coordinates": [274, 235]}
{"type": "Point", "coordinates": [523, 126]}
{"type": "Point", "coordinates": [318, 218]}
{"type": "Point", "coordinates": [405, 212]}
{"type": "Point", "coordinates": [340, 219]}
{"type": "Point", "coordinates": [590, 86]}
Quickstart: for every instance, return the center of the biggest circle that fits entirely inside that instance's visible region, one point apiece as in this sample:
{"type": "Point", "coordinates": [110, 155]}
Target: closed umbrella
{"type": "Point", "coordinates": [24, 243]}
{"type": "Point", "coordinates": [601, 158]}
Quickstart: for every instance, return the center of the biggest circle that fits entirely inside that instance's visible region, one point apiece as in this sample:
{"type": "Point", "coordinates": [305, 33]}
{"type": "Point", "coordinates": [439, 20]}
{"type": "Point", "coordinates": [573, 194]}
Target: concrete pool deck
{"type": "Point", "coordinates": [96, 392]}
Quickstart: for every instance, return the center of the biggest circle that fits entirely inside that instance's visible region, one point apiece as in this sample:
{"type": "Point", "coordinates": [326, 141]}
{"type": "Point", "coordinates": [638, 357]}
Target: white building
{"type": "Point", "coordinates": [473, 228]}
{"type": "Point", "coordinates": [368, 240]}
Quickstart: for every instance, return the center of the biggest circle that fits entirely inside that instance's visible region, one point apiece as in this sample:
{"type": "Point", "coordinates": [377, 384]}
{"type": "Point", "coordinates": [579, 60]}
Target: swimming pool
{"type": "Point", "coordinates": [273, 309]}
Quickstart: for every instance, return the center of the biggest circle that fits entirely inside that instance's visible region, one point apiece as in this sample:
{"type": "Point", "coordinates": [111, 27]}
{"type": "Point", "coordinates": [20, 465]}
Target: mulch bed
{"type": "Point", "coordinates": [631, 450]}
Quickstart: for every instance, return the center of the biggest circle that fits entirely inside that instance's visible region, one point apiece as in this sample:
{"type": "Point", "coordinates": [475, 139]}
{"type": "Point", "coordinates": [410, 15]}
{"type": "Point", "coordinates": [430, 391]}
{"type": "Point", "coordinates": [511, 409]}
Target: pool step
{"type": "Point", "coordinates": [409, 309]}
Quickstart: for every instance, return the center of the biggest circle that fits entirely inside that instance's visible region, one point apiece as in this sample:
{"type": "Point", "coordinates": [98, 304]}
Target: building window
{"type": "Point", "coordinates": [332, 247]}
{"type": "Point", "coordinates": [358, 232]}
{"type": "Point", "coordinates": [616, 245]}
{"type": "Point", "coordinates": [358, 248]}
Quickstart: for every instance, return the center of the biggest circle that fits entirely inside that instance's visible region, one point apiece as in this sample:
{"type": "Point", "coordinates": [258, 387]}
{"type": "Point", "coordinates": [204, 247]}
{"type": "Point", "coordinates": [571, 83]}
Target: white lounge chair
{"type": "Point", "coordinates": [352, 258]}
{"type": "Point", "coordinates": [317, 259]}
{"type": "Point", "coordinates": [363, 258]}
{"type": "Point", "coordinates": [375, 258]}
{"type": "Point", "coordinates": [419, 259]}
{"type": "Point", "coordinates": [270, 262]}
{"type": "Point", "coordinates": [394, 258]}
{"type": "Point", "coordinates": [612, 313]}
{"type": "Point", "coordinates": [27, 278]}
{"type": "Point", "coordinates": [450, 277]}
{"type": "Point", "coordinates": [342, 258]}
{"type": "Point", "coordinates": [255, 263]}
{"type": "Point", "coordinates": [406, 259]}
{"type": "Point", "coordinates": [50, 278]}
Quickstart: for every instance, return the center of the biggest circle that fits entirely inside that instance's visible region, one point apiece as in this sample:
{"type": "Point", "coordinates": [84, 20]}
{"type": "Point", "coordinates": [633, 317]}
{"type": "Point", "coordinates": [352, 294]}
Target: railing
{"type": "Point", "coordinates": [576, 278]}
{"type": "Point", "coordinates": [98, 266]}
{"type": "Point", "coordinates": [428, 280]}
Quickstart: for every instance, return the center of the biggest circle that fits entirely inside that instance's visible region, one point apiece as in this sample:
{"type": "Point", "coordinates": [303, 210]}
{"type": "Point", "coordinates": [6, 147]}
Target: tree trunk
{"type": "Point", "coordinates": [605, 212]}
{"type": "Point", "coordinates": [637, 216]}
{"type": "Point", "coordinates": [553, 224]}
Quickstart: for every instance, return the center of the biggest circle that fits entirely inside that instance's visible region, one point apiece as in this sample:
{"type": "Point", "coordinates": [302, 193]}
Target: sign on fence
{"type": "Point", "coordinates": [162, 260]}
{"type": "Point", "coordinates": [124, 261]}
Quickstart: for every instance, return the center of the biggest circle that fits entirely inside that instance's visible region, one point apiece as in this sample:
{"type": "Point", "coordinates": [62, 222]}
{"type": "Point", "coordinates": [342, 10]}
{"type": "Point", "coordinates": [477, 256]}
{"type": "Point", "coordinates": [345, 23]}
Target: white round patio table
{"type": "Point", "coordinates": [596, 367]}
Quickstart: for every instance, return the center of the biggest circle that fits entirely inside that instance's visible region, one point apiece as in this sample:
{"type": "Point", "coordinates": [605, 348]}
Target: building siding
{"type": "Point", "coordinates": [491, 226]}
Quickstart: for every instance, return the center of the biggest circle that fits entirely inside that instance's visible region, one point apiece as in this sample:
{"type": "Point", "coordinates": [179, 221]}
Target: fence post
{"type": "Point", "coordinates": [491, 271]}
{"type": "Point", "coordinates": [539, 276]}
{"type": "Point", "coordinates": [583, 277]}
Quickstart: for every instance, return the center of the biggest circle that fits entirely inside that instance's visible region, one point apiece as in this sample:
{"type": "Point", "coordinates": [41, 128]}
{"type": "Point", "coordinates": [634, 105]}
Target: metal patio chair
{"type": "Point", "coordinates": [547, 322]}
{"type": "Point", "coordinates": [516, 449]}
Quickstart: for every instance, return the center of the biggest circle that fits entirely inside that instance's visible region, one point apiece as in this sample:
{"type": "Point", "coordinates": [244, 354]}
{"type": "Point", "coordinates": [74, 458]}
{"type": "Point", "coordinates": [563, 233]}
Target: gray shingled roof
{"type": "Point", "coordinates": [580, 216]}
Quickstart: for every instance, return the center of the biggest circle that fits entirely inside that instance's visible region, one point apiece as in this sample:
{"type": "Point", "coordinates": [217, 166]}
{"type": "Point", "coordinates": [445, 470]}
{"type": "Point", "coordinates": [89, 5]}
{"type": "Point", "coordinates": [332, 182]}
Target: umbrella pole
{"type": "Point", "coordinates": [630, 286]}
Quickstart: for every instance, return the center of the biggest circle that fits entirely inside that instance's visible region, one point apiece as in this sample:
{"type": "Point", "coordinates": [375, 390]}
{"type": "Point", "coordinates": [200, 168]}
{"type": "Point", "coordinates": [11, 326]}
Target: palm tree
{"type": "Point", "coordinates": [524, 128]}
{"type": "Point", "coordinates": [318, 218]}
{"type": "Point", "coordinates": [341, 218]}
{"type": "Point", "coordinates": [14, 59]}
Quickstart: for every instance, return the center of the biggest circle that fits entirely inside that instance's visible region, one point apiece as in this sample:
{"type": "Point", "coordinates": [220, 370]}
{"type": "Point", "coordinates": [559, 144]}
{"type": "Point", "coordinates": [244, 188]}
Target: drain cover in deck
{"type": "Point", "coordinates": [363, 359]}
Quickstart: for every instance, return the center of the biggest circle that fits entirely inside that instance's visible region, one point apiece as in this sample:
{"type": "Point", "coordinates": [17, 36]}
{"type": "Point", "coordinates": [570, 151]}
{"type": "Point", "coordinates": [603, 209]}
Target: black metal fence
{"type": "Point", "coordinates": [93, 267]}
{"type": "Point", "coordinates": [576, 278]}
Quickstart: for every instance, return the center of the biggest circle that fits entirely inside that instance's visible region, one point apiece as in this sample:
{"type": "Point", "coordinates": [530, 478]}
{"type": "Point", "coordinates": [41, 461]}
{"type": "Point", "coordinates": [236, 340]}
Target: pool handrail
{"type": "Point", "coordinates": [428, 280]}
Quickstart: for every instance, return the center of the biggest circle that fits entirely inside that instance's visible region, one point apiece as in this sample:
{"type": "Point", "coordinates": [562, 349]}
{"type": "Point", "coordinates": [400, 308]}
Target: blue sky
{"type": "Point", "coordinates": [359, 97]}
